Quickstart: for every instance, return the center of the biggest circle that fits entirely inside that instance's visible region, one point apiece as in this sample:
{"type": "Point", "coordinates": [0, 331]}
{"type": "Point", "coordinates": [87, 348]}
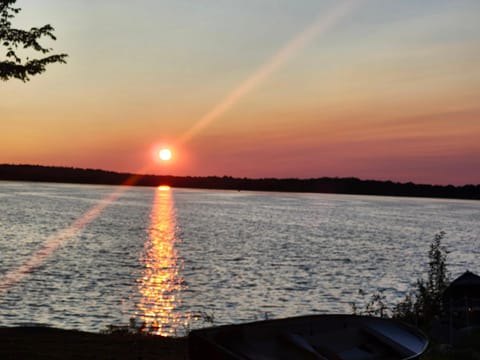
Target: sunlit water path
{"type": "Point", "coordinates": [167, 256]}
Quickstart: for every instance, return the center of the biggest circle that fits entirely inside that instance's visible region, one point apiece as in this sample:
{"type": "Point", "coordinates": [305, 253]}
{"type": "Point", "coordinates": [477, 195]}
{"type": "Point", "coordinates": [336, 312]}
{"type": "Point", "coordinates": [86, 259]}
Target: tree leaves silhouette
{"type": "Point", "coordinates": [13, 39]}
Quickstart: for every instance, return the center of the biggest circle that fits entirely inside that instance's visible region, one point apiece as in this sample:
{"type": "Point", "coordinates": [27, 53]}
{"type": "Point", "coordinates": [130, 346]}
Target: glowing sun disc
{"type": "Point", "coordinates": [165, 154]}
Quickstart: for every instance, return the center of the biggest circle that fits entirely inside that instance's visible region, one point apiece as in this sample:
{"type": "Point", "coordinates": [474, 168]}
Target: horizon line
{"type": "Point", "coordinates": [242, 178]}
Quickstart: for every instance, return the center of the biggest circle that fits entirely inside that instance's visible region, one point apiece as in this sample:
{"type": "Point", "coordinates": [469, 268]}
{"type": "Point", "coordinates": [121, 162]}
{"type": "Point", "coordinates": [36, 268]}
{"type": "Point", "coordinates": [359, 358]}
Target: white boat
{"type": "Point", "coordinates": [324, 337]}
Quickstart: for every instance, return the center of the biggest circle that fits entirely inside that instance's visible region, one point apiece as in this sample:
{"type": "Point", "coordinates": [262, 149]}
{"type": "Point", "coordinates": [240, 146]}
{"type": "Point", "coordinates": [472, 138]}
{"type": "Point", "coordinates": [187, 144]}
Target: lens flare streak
{"type": "Point", "coordinates": [53, 242]}
{"type": "Point", "coordinates": [321, 24]}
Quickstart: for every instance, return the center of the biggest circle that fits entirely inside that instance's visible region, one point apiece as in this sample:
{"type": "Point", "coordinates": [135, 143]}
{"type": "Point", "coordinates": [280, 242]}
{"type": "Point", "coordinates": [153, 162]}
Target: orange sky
{"type": "Point", "coordinates": [371, 89]}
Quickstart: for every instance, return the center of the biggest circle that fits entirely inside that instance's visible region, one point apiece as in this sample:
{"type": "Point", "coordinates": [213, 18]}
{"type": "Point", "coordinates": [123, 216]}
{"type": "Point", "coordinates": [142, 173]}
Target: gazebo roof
{"type": "Point", "coordinates": [466, 279]}
{"type": "Point", "coordinates": [468, 282]}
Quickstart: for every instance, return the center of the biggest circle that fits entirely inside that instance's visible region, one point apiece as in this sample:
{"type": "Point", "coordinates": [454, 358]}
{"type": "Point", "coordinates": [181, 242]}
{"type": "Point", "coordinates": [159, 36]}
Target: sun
{"type": "Point", "coordinates": [165, 154]}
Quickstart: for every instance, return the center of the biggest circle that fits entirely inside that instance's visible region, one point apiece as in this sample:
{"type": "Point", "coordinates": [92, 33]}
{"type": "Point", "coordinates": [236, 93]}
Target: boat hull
{"type": "Point", "coordinates": [324, 337]}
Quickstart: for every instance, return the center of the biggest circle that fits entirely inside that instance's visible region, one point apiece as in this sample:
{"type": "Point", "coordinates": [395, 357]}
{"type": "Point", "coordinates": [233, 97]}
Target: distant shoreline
{"type": "Point", "coordinates": [328, 185]}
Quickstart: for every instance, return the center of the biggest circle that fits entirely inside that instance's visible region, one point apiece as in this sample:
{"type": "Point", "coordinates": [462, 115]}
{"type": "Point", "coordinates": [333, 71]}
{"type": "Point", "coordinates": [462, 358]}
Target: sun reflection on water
{"type": "Point", "coordinates": [161, 283]}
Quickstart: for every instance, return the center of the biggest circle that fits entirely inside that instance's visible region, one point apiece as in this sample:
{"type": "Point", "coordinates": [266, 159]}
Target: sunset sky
{"type": "Point", "coordinates": [375, 89]}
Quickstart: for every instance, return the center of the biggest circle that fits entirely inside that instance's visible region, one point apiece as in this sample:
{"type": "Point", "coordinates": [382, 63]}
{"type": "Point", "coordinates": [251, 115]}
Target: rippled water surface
{"type": "Point", "coordinates": [84, 257]}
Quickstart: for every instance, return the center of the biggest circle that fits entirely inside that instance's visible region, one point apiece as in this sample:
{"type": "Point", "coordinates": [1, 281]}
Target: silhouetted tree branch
{"type": "Point", "coordinates": [12, 39]}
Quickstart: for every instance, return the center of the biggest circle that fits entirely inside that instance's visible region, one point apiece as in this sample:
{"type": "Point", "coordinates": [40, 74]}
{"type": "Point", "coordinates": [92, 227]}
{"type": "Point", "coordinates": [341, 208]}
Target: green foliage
{"type": "Point", "coordinates": [208, 318]}
{"type": "Point", "coordinates": [375, 306]}
{"type": "Point", "coordinates": [142, 328]}
{"type": "Point", "coordinates": [467, 349]}
{"type": "Point", "coordinates": [424, 303]}
{"type": "Point", "coordinates": [133, 328]}
{"type": "Point", "coordinates": [10, 38]}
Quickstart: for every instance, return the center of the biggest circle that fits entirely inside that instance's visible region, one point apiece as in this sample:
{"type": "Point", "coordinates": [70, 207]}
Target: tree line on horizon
{"type": "Point", "coordinates": [328, 185]}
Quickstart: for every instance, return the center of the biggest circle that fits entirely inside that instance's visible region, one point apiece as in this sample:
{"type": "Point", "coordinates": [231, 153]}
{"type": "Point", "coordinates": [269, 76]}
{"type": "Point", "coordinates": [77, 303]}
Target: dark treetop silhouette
{"type": "Point", "coordinates": [10, 38]}
{"type": "Point", "coordinates": [318, 185]}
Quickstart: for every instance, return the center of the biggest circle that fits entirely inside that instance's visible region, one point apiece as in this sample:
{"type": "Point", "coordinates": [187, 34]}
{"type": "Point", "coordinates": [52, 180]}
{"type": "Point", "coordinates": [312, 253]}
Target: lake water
{"type": "Point", "coordinates": [84, 257]}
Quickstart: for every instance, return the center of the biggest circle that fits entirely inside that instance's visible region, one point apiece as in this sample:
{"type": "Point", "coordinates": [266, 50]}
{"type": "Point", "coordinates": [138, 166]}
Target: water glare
{"type": "Point", "coordinates": [161, 283]}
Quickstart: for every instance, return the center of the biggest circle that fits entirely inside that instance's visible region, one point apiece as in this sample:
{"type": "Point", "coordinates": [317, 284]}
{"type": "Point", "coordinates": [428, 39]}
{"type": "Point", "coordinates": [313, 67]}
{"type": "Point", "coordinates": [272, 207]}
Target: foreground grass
{"type": "Point", "coordinates": [467, 349]}
{"type": "Point", "coordinates": [18, 343]}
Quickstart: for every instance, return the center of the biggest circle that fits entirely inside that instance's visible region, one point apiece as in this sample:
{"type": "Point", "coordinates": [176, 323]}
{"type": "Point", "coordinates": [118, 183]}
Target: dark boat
{"type": "Point", "coordinates": [325, 337]}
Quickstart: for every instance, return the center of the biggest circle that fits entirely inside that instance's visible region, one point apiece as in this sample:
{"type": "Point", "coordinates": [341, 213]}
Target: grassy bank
{"type": "Point", "coordinates": [18, 343]}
